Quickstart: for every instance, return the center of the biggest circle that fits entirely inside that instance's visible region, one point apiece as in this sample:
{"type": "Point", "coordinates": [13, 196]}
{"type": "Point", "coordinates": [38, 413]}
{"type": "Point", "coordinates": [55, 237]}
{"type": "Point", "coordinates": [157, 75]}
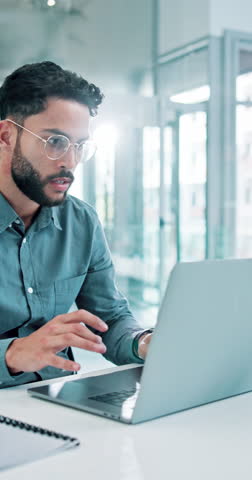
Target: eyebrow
{"type": "Point", "coordinates": [57, 131]}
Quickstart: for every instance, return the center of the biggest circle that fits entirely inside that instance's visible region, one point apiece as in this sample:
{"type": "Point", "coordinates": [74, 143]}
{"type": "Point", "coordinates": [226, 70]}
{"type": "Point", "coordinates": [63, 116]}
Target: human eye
{"type": "Point", "coordinates": [57, 142]}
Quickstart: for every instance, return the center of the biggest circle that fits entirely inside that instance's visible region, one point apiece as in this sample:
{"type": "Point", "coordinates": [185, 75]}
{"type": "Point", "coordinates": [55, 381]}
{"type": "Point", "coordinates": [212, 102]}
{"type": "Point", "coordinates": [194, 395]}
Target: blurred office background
{"type": "Point", "coordinates": [172, 177]}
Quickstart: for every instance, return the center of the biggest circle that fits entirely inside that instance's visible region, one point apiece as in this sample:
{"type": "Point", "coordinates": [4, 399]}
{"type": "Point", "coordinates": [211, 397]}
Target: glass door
{"type": "Point", "coordinates": [184, 89]}
{"type": "Point", "coordinates": [238, 143]}
{"type": "Point", "coordinates": [183, 186]}
{"type": "Point", "coordinates": [243, 174]}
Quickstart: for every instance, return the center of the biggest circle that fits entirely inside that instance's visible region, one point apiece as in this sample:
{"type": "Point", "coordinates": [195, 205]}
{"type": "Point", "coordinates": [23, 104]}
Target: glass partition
{"type": "Point", "coordinates": [243, 173]}
{"type": "Point", "coordinates": [168, 239]}
{"type": "Point", "coordinates": [151, 212]}
{"type": "Point", "coordinates": [184, 83]}
{"type": "Point", "coordinates": [192, 185]}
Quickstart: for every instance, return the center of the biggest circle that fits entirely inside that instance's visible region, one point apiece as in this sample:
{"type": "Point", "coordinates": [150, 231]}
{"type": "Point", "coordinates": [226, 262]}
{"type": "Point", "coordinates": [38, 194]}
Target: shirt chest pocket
{"type": "Point", "coordinates": [60, 296]}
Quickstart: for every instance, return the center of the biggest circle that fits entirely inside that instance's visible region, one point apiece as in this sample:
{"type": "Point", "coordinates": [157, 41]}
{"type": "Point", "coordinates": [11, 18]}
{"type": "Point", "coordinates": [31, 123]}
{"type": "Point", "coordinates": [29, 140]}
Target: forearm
{"type": "Point", "coordinates": [7, 379]}
{"type": "Point", "coordinates": [119, 340]}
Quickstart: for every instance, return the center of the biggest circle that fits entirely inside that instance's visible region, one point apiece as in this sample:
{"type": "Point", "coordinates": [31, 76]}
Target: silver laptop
{"type": "Point", "coordinates": [201, 350]}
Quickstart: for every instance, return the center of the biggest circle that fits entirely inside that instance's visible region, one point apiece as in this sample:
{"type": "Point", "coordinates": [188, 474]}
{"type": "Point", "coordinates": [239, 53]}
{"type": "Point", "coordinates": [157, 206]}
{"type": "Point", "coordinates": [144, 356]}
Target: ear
{"type": "Point", "coordinates": [8, 136]}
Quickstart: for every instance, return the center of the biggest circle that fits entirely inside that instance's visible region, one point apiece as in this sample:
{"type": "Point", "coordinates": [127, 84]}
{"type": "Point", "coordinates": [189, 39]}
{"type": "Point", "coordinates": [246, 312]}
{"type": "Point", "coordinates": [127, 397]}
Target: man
{"type": "Point", "coordinates": [52, 247]}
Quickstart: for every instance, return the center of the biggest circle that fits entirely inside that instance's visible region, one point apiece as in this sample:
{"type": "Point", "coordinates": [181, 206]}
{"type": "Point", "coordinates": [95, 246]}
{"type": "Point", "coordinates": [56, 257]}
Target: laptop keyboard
{"type": "Point", "coordinates": [117, 398]}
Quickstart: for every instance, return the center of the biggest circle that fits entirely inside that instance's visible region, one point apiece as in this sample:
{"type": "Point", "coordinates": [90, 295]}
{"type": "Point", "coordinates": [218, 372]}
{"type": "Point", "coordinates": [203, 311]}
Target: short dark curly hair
{"type": "Point", "coordinates": [25, 91]}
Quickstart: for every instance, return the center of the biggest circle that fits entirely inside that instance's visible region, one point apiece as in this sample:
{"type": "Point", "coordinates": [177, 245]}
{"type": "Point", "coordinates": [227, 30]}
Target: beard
{"type": "Point", "coordinates": [29, 180]}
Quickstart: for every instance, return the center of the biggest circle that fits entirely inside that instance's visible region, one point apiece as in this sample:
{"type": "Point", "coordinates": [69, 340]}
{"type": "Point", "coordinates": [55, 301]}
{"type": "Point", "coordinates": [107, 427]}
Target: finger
{"type": "Point", "coordinates": [77, 328]}
{"type": "Point", "coordinates": [85, 317]}
{"type": "Point", "coordinates": [62, 363]}
{"type": "Point", "coordinates": [59, 342]}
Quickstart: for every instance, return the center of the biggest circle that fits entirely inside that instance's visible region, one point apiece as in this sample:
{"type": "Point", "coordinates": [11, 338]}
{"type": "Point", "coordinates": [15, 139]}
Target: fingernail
{"type": "Point", "coordinates": [101, 348]}
{"type": "Point", "coordinates": [98, 339]}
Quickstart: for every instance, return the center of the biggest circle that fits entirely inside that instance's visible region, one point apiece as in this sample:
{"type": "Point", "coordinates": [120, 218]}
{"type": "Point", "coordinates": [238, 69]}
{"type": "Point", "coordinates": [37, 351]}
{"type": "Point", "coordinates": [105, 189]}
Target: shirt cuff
{"type": "Point", "coordinates": [6, 379]}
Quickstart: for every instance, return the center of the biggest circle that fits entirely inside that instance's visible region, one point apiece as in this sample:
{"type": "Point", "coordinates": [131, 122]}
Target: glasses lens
{"type": "Point", "coordinates": [56, 146]}
{"type": "Point", "coordinates": [86, 150]}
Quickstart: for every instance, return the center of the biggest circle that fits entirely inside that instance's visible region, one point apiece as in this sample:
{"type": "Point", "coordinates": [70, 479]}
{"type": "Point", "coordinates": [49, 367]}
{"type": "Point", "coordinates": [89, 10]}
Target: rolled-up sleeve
{"type": "Point", "coordinates": [100, 296]}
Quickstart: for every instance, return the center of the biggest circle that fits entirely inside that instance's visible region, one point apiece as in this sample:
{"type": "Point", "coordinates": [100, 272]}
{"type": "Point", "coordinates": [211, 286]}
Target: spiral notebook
{"type": "Point", "coordinates": [22, 443]}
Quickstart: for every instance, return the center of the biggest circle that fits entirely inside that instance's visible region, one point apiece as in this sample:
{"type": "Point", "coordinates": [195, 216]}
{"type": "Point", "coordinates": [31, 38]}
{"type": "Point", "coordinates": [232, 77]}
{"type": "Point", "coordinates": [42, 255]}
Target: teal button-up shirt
{"type": "Point", "coordinates": [62, 258]}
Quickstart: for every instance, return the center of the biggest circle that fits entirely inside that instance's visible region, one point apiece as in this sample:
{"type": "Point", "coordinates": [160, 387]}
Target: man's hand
{"type": "Point", "coordinates": [143, 345]}
{"type": "Point", "coordinates": [39, 349]}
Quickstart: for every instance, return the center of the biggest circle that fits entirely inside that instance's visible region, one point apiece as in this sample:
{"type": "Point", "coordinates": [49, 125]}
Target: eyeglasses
{"type": "Point", "coordinates": [58, 145]}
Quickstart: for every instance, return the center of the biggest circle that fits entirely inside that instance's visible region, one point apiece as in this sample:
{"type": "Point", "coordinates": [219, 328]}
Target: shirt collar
{"type": "Point", "coordinates": [8, 216]}
{"type": "Point", "coordinates": [44, 218]}
{"type": "Point", "coordinates": [55, 217]}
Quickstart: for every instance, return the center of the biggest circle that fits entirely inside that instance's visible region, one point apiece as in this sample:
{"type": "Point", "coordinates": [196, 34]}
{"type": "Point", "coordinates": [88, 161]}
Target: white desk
{"type": "Point", "coordinates": [210, 442]}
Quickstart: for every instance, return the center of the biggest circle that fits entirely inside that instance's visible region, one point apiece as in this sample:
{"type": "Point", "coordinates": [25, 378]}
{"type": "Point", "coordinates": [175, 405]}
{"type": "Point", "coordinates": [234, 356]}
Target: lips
{"type": "Point", "coordinates": [61, 184]}
{"type": "Point", "coordinates": [61, 180]}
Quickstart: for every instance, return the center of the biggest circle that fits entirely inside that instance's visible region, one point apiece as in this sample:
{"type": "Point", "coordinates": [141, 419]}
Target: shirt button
{"type": "Point", "coordinates": [24, 240]}
{"type": "Point", "coordinates": [10, 225]}
{"type": "Point", "coordinates": [30, 290]}
{"type": "Point", "coordinates": [17, 221]}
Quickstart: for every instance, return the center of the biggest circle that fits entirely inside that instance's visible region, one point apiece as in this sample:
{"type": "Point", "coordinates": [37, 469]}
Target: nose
{"type": "Point", "coordinates": [69, 159]}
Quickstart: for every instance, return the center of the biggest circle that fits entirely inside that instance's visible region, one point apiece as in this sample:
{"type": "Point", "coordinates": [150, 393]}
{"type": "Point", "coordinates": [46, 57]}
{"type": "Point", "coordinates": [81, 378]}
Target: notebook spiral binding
{"type": "Point", "coordinates": [35, 429]}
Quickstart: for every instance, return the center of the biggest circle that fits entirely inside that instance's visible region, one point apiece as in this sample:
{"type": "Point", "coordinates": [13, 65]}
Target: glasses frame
{"type": "Point", "coordinates": [76, 145]}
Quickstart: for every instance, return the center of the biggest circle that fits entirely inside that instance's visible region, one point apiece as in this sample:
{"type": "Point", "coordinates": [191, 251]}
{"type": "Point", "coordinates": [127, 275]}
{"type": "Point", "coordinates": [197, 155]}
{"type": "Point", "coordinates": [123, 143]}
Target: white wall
{"type": "Point", "coordinates": [231, 15]}
{"type": "Point", "coordinates": [182, 22]}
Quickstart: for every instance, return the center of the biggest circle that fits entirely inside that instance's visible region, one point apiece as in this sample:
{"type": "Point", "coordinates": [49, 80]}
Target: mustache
{"type": "Point", "coordinates": [62, 174]}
